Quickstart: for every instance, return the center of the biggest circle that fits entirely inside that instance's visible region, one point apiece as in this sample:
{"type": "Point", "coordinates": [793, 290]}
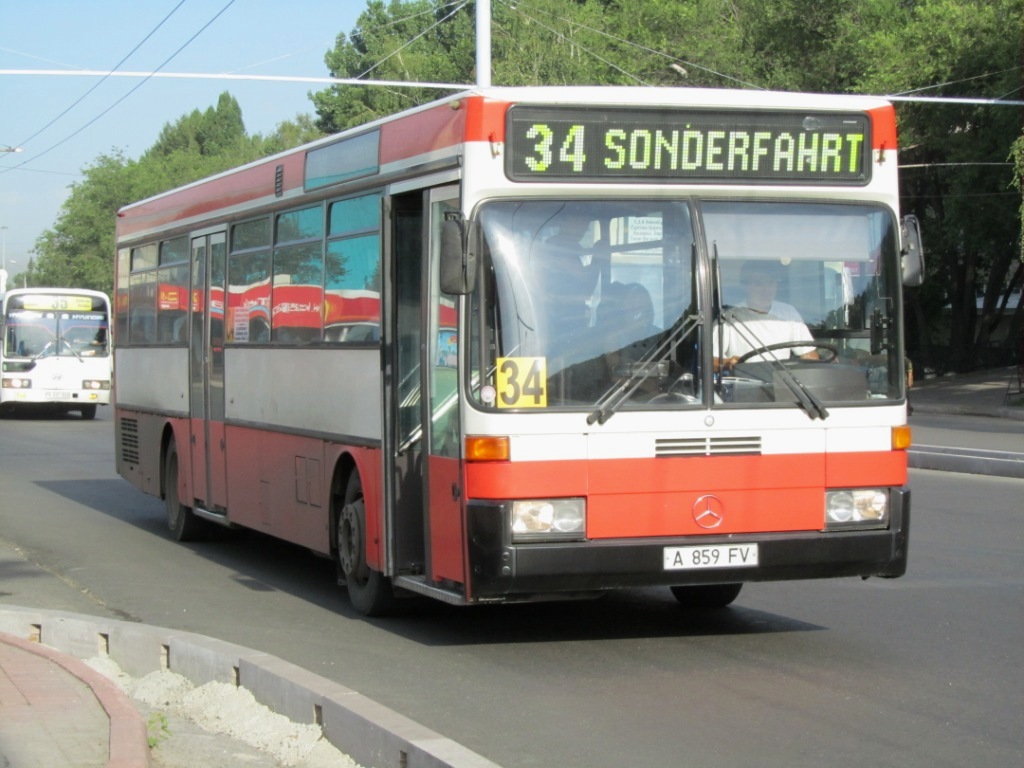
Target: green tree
{"type": "Point", "coordinates": [78, 250]}
{"type": "Point", "coordinates": [543, 42]}
{"type": "Point", "coordinates": [957, 176]}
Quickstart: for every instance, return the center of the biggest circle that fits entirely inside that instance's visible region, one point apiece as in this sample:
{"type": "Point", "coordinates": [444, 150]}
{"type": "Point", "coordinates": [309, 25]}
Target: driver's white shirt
{"type": "Point", "coordinates": [750, 329]}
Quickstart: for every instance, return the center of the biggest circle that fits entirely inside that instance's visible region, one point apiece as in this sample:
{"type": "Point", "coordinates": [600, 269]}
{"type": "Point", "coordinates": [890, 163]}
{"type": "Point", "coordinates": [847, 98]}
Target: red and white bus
{"type": "Point", "coordinates": [469, 351]}
{"type": "Point", "coordinates": [55, 352]}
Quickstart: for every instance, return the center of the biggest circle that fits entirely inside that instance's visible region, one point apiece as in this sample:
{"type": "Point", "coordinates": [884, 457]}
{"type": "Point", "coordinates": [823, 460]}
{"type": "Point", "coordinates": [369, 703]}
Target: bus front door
{"type": "Point", "coordinates": [424, 465]}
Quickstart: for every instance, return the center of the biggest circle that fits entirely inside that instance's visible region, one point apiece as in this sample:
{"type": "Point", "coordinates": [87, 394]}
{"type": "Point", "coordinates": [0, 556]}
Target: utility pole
{"type": "Point", "coordinates": [3, 271]}
{"type": "Point", "coordinates": [483, 43]}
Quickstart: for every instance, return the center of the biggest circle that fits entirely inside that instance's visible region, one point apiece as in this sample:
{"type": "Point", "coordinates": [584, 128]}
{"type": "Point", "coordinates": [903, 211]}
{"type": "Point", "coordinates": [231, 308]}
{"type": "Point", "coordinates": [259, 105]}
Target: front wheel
{"type": "Point", "coordinates": [369, 591]}
{"type": "Point", "coordinates": [707, 597]}
{"type": "Point", "coordinates": [88, 412]}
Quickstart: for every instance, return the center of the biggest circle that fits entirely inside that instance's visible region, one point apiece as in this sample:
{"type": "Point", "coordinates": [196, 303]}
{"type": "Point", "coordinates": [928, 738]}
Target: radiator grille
{"type": "Point", "coordinates": [707, 446]}
{"type": "Point", "coordinates": [130, 441]}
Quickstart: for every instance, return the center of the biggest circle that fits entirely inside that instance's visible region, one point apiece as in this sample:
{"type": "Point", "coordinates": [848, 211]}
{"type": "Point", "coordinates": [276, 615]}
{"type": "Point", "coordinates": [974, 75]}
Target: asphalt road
{"type": "Point", "coordinates": [919, 671]}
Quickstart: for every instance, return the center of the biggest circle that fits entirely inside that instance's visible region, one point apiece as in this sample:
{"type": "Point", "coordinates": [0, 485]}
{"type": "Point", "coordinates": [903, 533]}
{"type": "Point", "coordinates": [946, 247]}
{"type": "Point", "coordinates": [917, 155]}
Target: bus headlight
{"type": "Point", "coordinates": [856, 508]}
{"type": "Point", "coordinates": [95, 384]}
{"type": "Point", "coordinates": [16, 383]}
{"type": "Point", "coordinates": [549, 520]}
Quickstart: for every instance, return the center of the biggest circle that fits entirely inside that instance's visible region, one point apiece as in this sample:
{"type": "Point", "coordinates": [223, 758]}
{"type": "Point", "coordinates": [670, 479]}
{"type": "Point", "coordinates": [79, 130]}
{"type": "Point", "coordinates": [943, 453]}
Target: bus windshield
{"type": "Point", "coordinates": [583, 305]}
{"type": "Point", "coordinates": [36, 334]}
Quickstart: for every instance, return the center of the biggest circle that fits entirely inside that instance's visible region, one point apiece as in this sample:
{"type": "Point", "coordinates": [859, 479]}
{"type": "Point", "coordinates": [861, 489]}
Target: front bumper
{"type": "Point", "coordinates": [500, 570]}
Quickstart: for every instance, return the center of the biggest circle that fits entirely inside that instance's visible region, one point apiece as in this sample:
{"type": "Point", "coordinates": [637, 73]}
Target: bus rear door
{"type": "Point", "coordinates": [206, 374]}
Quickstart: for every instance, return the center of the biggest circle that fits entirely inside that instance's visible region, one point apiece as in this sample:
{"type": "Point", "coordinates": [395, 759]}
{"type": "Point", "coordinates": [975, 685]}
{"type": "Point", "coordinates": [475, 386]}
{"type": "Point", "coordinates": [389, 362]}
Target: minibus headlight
{"type": "Point", "coordinates": [95, 384]}
{"type": "Point", "coordinates": [16, 383]}
{"type": "Point", "coordinates": [549, 520]}
{"type": "Point", "coordinates": [856, 508]}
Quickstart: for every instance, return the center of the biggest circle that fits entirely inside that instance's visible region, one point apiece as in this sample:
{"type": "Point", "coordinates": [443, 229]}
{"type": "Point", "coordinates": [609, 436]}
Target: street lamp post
{"type": "Point", "coordinates": [3, 233]}
{"type": "Point", "coordinates": [11, 149]}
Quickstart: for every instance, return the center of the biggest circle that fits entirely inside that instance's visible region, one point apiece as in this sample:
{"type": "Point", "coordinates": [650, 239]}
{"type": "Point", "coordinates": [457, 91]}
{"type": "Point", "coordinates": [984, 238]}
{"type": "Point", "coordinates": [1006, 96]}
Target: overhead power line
{"type": "Point", "coordinates": [96, 85]}
{"type": "Point", "coordinates": [407, 83]}
{"type": "Point", "coordinates": [224, 76]}
{"type": "Point", "coordinates": [133, 90]}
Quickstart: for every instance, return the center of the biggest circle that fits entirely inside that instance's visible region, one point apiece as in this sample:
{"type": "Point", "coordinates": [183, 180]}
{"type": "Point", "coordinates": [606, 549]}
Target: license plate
{"type": "Point", "coordinates": [56, 394]}
{"type": "Point", "coordinates": [710, 556]}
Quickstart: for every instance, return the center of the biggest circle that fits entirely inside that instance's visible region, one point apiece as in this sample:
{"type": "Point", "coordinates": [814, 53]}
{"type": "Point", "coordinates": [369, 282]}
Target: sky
{"type": "Point", "coordinates": [252, 37]}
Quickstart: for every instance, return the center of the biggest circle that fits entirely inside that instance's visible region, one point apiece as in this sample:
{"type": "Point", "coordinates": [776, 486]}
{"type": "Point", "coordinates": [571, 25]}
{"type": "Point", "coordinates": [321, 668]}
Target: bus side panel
{"type": "Point", "coordinates": [152, 390]}
{"type": "Point", "coordinates": [275, 484]}
{"type": "Point", "coordinates": [447, 530]}
{"type": "Point", "coordinates": [139, 449]}
{"type": "Point", "coordinates": [316, 391]}
{"type": "Point", "coordinates": [153, 379]}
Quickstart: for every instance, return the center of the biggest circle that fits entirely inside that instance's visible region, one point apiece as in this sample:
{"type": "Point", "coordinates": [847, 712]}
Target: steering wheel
{"type": "Point", "coordinates": [680, 391]}
{"type": "Point", "coordinates": [832, 349]}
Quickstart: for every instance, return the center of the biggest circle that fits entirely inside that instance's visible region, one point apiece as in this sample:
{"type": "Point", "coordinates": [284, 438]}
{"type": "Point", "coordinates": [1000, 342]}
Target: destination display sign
{"type": "Point", "coordinates": [44, 301]}
{"type": "Point", "coordinates": [601, 144]}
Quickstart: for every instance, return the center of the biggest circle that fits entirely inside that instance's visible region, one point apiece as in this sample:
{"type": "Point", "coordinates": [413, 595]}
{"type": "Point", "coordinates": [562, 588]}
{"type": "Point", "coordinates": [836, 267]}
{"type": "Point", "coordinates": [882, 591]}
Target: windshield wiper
{"type": "Point", "coordinates": [74, 351]}
{"type": "Point", "coordinates": [647, 365]}
{"type": "Point", "coordinates": [812, 406]}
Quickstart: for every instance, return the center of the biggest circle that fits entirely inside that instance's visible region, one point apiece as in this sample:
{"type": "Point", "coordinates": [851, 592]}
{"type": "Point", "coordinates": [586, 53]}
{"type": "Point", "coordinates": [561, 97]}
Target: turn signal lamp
{"type": "Point", "coordinates": [901, 438]}
{"type": "Point", "coordinates": [487, 448]}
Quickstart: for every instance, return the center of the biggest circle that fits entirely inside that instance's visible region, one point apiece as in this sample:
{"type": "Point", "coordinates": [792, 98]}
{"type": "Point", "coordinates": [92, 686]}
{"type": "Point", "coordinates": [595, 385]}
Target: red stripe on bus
{"type": "Point", "coordinates": [883, 127]}
{"type": "Point", "coordinates": [660, 496]}
{"type": "Point", "coordinates": [866, 469]}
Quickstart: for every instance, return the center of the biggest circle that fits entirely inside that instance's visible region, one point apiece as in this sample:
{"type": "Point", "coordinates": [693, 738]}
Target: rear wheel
{"type": "Point", "coordinates": [369, 590]}
{"type": "Point", "coordinates": [707, 597]}
{"type": "Point", "coordinates": [184, 526]}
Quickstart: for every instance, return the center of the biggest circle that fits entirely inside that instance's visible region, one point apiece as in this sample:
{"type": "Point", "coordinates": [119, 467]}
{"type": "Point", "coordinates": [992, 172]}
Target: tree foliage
{"type": "Point", "coordinates": [957, 174]}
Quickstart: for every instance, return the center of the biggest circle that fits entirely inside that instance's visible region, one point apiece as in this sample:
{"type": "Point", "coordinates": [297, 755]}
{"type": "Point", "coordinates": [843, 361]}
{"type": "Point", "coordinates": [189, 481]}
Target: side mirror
{"type": "Point", "coordinates": [912, 252]}
{"type": "Point", "coordinates": [458, 254]}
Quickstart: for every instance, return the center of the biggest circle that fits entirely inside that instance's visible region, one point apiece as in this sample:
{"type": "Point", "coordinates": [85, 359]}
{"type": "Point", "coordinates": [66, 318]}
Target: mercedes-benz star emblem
{"type": "Point", "coordinates": [708, 511]}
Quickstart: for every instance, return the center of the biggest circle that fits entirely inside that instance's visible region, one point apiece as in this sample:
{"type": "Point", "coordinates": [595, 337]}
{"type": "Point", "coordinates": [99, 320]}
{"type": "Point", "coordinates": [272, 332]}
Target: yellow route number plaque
{"type": "Point", "coordinates": [522, 382]}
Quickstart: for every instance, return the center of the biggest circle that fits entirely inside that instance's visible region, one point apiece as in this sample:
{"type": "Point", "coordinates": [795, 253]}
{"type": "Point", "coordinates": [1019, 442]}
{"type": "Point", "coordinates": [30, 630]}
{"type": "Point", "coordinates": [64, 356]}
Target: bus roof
{"type": "Point", "coordinates": [438, 130]}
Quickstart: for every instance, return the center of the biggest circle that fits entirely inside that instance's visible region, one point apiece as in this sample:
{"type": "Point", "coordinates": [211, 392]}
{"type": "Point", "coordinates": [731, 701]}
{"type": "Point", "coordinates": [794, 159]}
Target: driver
{"type": "Point", "coordinates": [761, 320]}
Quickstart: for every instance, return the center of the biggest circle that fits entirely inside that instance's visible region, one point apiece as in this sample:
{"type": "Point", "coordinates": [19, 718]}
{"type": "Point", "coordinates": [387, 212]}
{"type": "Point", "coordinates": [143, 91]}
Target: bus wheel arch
{"type": "Point", "coordinates": [181, 522]}
{"type": "Point", "coordinates": [369, 590]}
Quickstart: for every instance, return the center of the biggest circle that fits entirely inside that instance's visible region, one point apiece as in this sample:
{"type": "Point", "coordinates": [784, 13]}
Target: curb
{"type": "Point", "coordinates": [999, 412]}
{"type": "Point", "coordinates": [128, 737]}
{"type": "Point", "coordinates": [371, 734]}
{"type": "Point", "coordinates": [968, 461]}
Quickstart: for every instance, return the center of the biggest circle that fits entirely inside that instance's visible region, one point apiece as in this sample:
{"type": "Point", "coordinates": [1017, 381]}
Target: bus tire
{"type": "Point", "coordinates": [88, 412]}
{"type": "Point", "coordinates": [184, 526]}
{"type": "Point", "coordinates": [369, 591]}
{"type": "Point", "coordinates": [706, 597]}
